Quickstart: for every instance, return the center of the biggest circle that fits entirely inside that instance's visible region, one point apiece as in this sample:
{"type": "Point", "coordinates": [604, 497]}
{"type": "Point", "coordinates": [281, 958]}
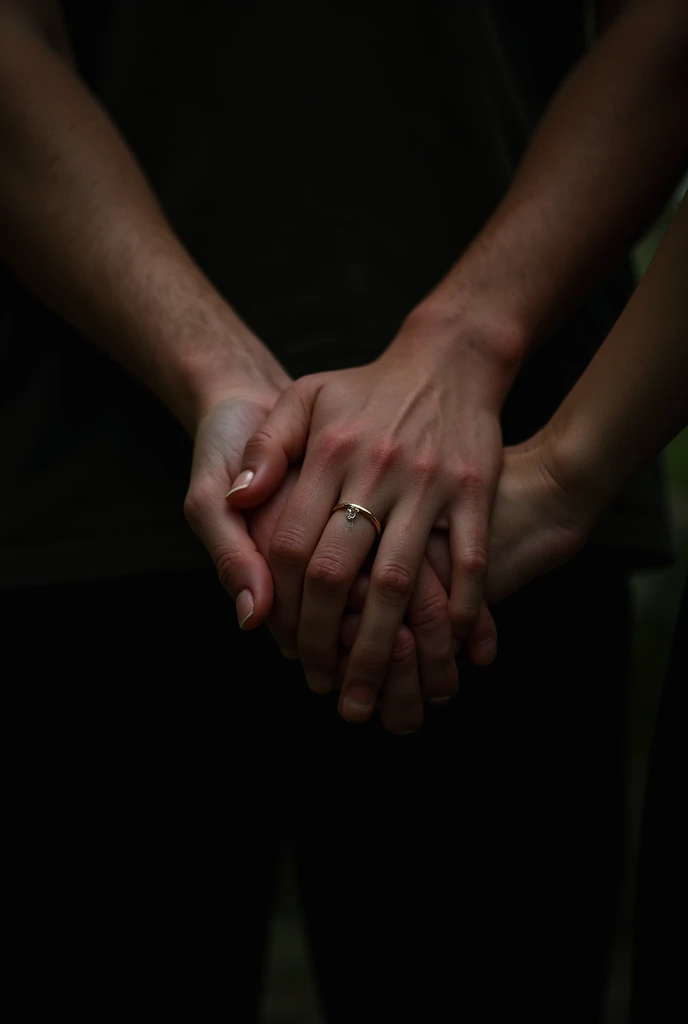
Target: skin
{"type": "Point", "coordinates": [630, 402]}
{"type": "Point", "coordinates": [80, 225]}
{"type": "Point", "coordinates": [415, 435]}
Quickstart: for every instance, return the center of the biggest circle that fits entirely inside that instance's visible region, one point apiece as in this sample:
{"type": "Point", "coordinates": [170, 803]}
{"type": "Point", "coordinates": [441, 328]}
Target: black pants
{"type": "Point", "coordinates": [159, 758]}
{"type": "Point", "coordinates": [660, 954]}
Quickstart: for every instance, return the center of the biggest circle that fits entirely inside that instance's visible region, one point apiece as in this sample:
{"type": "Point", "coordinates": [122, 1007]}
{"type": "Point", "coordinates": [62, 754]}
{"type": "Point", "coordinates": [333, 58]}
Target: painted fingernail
{"type": "Point", "coordinates": [357, 706]}
{"type": "Point", "coordinates": [244, 607]}
{"type": "Point", "coordinates": [319, 682]}
{"type": "Point", "coordinates": [241, 482]}
{"type": "Point", "coordinates": [438, 701]}
{"type": "Point", "coordinates": [290, 655]}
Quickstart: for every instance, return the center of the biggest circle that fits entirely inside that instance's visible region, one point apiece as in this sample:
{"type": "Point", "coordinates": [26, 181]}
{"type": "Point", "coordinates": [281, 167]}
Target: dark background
{"type": "Point", "coordinates": [290, 997]}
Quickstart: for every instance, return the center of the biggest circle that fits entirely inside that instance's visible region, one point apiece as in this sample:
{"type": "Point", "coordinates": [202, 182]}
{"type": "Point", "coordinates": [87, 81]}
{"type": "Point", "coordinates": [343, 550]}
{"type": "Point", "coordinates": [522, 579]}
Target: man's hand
{"type": "Point", "coordinates": [411, 437]}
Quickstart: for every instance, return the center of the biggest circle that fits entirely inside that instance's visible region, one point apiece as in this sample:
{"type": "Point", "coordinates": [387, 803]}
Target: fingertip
{"type": "Point", "coordinates": [482, 653]}
{"type": "Point", "coordinates": [357, 704]}
{"type": "Point", "coordinates": [253, 487]}
{"type": "Point", "coordinates": [253, 599]}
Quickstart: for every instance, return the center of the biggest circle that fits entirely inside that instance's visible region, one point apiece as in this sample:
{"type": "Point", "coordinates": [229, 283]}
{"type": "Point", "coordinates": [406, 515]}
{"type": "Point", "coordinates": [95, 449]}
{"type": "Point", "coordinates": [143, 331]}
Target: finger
{"type": "Point", "coordinates": [392, 580]}
{"type": "Point", "coordinates": [298, 531]}
{"type": "Point", "coordinates": [342, 663]}
{"type": "Point", "coordinates": [427, 616]}
{"type": "Point", "coordinates": [242, 570]}
{"type": "Point", "coordinates": [281, 440]}
{"type": "Point", "coordinates": [480, 646]}
{"type": "Point", "coordinates": [348, 630]}
{"type": "Point", "coordinates": [468, 536]}
{"type": "Point", "coordinates": [401, 700]}
{"type": "Point", "coordinates": [357, 594]}
{"type": "Point", "coordinates": [401, 703]}
{"type": "Point", "coordinates": [439, 556]}
{"type": "Point", "coordinates": [333, 567]}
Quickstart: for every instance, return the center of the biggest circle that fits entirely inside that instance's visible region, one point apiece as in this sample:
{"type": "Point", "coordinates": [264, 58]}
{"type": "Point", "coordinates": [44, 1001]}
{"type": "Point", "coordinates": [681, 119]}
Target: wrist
{"type": "Point", "coordinates": [485, 348]}
{"type": "Point", "coordinates": [225, 365]}
{"type": "Point", "coordinates": [571, 457]}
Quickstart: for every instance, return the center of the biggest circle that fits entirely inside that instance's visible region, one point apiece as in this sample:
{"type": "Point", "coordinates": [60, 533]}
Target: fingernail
{"type": "Point", "coordinates": [241, 482]}
{"type": "Point", "coordinates": [358, 707]}
{"type": "Point", "coordinates": [438, 701]}
{"type": "Point", "coordinates": [244, 607]}
{"type": "Point", "coordinates": [319, 682]}
{"type": "Point", "coordinates": [291, 655]}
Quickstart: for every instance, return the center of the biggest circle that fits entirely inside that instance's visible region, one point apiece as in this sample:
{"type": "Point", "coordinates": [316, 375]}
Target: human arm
{"type": "Point", "coordinates": [417, 434]}
{"type": "Point", "coordinates": [631, 400]}
{"type": "Point", "coordinates": [79, 223]}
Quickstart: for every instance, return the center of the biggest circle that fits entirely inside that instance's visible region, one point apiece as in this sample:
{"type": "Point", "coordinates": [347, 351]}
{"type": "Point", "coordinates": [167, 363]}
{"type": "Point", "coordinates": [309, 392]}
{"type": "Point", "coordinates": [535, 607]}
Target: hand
{"type": "Point", "coordinates": [219, 443]}
{"type": "Point", "coordinates": [422, 666]}
{"type": "Point", "coordinates": [539, 521]}
{"type": "Point", "coordinates": [407, 438]}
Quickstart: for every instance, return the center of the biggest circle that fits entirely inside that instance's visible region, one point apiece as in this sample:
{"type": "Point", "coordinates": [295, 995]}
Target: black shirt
{"type": "Point", "coordinates": [325, 164]}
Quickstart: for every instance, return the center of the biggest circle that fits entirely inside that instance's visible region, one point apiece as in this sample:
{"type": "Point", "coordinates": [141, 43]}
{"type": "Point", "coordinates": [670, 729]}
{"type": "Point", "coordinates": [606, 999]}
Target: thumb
{"type": "Point", "coordinates": [281, 440]}
{"type": "Point", "coordinates": [242, 570]}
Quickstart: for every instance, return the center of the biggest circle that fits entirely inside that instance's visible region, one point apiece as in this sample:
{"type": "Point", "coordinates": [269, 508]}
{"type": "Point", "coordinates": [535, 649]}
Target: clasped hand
{"type": "Point", "coordinates": [416, 444]}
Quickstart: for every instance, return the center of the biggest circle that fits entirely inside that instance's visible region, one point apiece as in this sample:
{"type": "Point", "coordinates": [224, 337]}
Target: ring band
{"type": "Point", "coordinates": [352, 511]}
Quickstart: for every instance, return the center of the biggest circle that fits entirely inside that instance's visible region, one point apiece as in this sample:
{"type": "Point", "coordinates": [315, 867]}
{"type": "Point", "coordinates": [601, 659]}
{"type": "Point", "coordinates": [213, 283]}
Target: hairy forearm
{"type": "Point", "coordinates": [80, 225]}
{"type": "Point", "coordinates": [633, 398]}
{"type": "Point", "coordinates": [607, 153]}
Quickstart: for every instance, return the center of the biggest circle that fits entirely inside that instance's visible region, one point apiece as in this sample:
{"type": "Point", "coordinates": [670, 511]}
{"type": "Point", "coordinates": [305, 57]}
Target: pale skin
{"type": "Point", "coordinates": [80, 225]}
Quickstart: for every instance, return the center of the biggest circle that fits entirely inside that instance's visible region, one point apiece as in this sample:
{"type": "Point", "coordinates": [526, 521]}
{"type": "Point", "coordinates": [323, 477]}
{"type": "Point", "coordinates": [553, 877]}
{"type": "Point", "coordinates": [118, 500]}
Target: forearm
{"type": "Point", "coordinates": [633, 398]}
{"type": "Point", "coordinates": [80, 225]}
{"type": "Point", "coordinates": [607, 153]}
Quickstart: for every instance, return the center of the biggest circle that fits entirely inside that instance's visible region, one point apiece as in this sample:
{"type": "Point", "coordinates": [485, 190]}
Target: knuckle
{"type": "Point", "coordinates": [429, 610]}
{"type": "Point", "coordinates": [335, 443]}
{"type": "Point", "coordinates": [229, 565]}
{"type": "Point", "coordinates": [196, 505]}
{"type": "Point", "coordinates": [427, 468]}
{"type": "Point", "coordinates": [386, 453]}
{"type": "Point", "coordinates": [288, 549]}
{"type": "Point", "coordinates": [258, 442]}
{"type": "Point", "coordinates": [463, 617]}
{"type": "Point", "coordinates": [473, 562]}
{"type": "Point", "coordinates": [392, 582]}
{"type": "Point", "coordinates": [470, 480]}
{"type": "Point", "coordinates": [404, 646]}
{"type": "Point", "coordinates": [327, 569]}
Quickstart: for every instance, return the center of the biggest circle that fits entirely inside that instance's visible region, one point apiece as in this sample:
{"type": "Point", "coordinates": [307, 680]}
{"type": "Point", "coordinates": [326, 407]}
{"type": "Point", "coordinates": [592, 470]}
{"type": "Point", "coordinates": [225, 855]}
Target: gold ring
{"type": "Point", "coordinates": [352, 511]}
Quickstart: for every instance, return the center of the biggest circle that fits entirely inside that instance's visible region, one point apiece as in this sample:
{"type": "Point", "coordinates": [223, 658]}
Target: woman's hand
{"type": "Point", "coordinates": [541, 517]}
{"type": "Point", "coordinates": [411, 437]}
{"type": "Point", "coordinates": [219, 440]}
{"type": "Point", "coordinates": [422, 666]}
